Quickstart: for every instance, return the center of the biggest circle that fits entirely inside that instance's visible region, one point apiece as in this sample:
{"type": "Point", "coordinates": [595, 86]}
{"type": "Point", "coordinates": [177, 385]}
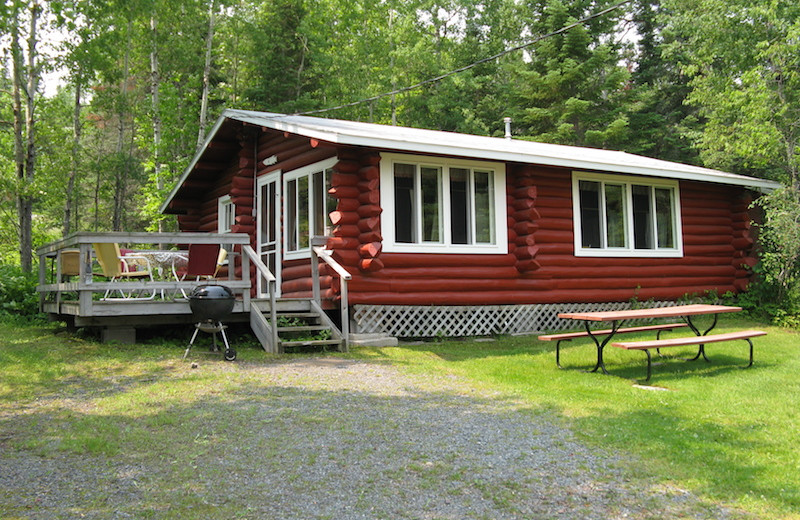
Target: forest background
{"type": "Point", "coordinates": [139, 83]}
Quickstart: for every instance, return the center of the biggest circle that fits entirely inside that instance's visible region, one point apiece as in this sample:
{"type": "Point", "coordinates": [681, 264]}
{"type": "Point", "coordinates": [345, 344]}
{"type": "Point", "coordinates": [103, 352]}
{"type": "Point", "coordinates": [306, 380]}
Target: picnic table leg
{"type": "Point", "coordinates": [600, 365]}
{"type": "Point", "coordinates": [701, 351]}
{"type": "Point", "coordinates": [751, 352]}
{"type": "Point", "coordinates": [649, 365]}
{"type": "Point", "coordinates": [558, 352]}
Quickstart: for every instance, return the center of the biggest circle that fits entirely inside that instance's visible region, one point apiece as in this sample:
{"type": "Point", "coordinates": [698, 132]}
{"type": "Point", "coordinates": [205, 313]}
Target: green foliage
{"type": "Point", "coordinates": [18, 296]}
{"type": "Point", "coordinates": [743, 58]}
{"type": "Point", "coordinates": [775, 292]}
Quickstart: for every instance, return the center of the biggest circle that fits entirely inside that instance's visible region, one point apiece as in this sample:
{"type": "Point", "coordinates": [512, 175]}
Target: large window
{"type": "Point", "coordinates": [308, 205]}
{"type": "Point", "coordinates": [440, 205]}
{"type": "Point", "coordinates": [625, 216]}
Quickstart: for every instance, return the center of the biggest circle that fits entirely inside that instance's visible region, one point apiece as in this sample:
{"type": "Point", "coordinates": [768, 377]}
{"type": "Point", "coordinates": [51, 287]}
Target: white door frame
{"type": "Point", "coordinates": [266, 247]}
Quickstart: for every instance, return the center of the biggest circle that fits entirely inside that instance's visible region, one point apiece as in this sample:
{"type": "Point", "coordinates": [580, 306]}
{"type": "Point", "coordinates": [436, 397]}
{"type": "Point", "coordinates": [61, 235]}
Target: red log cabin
{"type": "Point", "coordinates": [461, 234]}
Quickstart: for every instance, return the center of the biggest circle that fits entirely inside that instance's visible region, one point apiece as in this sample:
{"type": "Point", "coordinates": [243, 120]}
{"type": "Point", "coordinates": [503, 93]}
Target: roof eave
{"type": "Point", "coordinates": [200, 151]}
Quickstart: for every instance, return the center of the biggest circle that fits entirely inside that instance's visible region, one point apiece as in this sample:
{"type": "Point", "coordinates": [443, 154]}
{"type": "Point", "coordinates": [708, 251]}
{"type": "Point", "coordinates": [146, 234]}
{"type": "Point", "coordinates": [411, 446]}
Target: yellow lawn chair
{"type": "Point", "coordinates": [117, 267]}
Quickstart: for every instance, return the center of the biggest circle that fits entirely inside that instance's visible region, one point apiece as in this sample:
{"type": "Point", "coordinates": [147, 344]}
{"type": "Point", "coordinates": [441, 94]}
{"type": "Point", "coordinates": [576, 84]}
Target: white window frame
{"type": "Point", "coordinates": [628, 181]}
{"type": "Point", "coordinates": [226, 213]}
{"type": "Point", "coordinates": [306, 171]}
{"type": "Point", "coordinates": [390, 245]}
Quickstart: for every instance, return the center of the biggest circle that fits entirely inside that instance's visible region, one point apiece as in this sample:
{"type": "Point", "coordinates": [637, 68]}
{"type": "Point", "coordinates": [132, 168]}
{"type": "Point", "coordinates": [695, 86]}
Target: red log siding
{"type": "Point", "coordinates": [293, 152]}
{"type": "Point", "coordinates": [541, 267]}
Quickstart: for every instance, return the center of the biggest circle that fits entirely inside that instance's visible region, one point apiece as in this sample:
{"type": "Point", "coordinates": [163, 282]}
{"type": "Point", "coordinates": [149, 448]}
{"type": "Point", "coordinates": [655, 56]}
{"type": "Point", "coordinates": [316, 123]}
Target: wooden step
{"type": "Point", "coordinates": [311, 343]}
{"type": "Point", "coordinates": [301, 315]}
{"type": "Point", "coordinates": [304, 328]}
{"type": "Point", "coordinates": [283, 305]}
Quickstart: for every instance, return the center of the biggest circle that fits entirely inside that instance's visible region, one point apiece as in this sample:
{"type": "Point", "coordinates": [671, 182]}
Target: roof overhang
{"type": "Point", "coordinates": [404, 139]}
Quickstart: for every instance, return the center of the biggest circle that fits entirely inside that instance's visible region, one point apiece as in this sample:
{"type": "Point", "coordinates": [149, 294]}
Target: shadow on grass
{"type": "Point", "coordinates": [722, 429]}
{"type": "Point", "coordinates": [255, 449]}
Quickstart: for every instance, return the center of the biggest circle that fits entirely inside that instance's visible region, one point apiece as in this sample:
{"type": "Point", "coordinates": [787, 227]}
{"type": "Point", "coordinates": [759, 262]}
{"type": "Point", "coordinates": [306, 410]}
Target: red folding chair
{"type": "Point", "coordinates": [204, 262]}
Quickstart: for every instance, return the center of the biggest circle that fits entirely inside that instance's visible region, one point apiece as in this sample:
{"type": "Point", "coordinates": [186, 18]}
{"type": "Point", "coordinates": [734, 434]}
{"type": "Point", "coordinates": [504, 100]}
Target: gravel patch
{"type": "Point", "coordinates": [339, 439]}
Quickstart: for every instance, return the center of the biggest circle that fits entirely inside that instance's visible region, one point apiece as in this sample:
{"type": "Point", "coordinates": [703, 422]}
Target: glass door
{"type": "Point", "coordinates": [269, 229]}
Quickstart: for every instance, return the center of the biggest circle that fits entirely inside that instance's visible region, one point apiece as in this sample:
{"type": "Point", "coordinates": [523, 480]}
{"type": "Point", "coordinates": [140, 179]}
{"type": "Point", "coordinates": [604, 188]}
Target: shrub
{"type": "Point", "coordinates": [775, 291]}
{"type": "Point", "coordinates": [18, 296]}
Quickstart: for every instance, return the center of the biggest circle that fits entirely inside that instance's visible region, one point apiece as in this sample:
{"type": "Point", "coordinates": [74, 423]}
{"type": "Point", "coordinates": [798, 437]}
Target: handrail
{"type": "Point", "coordinates": [320, 252]}
{"type": "Point", "coordinates": [264, 271]}
{"type": "Point", "coordinates": [336, 266]}
{"type": "Point", "coordinates": [260, 265]}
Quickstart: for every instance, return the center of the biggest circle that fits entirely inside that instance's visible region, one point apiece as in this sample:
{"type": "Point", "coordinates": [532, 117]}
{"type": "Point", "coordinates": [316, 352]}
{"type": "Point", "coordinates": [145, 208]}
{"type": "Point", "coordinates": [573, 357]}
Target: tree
{"type": "Point", "coordinates": [661, 122]}
{"type": "Point", "coordinates": [743, 57]}
{"type": "Point", "coordinates": [25, 79]}
{"type": "Point", "coordinates": [573, 90]}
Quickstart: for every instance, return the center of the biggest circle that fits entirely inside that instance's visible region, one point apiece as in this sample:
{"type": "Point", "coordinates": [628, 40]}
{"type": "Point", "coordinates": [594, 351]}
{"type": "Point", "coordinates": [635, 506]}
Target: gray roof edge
{"type": "Point", "coordinates": [659, 168]}
{"type": "Point", "coordinates": [486, 148]}
{"type": "Point", "coordinates": [199, 153]}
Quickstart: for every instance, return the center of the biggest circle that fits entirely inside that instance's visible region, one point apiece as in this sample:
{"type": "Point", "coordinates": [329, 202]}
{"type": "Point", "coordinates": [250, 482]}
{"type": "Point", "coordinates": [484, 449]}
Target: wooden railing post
{"type": "Point", "coordinates": [344, 276]}
{"type": "Point", "coordinates": [315, 289]}
{"type": "Point", "coordinates": [43, 280]}
{"type": "Point", "coordinates": [249, 254]}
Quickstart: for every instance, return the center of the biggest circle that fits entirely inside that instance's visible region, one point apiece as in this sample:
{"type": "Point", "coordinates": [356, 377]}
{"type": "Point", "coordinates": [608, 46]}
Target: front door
{"type": "Point", "coordinates": [269, 229]}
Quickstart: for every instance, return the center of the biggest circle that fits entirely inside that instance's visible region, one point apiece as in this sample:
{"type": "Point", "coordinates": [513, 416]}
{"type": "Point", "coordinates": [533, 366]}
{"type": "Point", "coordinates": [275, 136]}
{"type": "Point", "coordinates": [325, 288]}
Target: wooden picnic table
{"type": "Point", "coordinates": [617, 318]}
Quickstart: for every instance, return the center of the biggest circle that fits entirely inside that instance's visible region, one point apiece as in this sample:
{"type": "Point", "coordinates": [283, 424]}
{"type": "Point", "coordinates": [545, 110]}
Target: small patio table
{"type": "Point", "coordinates": [684, 312]}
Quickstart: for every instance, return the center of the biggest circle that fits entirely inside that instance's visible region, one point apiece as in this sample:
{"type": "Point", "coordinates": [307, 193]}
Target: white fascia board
{"type": "Point", "coordinates": [491, 148]}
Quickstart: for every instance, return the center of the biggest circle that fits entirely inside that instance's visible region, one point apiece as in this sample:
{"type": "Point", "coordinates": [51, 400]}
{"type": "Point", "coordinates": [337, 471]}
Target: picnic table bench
{"type": "Point", "coordinates": [645, 346]}
{"type": "Point", "coordinates": [568, 336]}
{"type": "Point", "coordinates": [684, 312]}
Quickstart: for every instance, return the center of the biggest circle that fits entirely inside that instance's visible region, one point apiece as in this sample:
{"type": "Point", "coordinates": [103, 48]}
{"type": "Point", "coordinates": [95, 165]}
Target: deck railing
{"type": "Point", "coordinates": [318, 252]}
{"type": "Point", "coordinates": [79, 292]}
{"type": "Point", "coordinates": [54, 288]}
{"type": "Point", "coordinates": [271, 334]}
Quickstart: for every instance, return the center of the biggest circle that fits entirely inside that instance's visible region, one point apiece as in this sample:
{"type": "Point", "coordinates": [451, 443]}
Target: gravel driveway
{"type": "Point", "coordinates": [331, 438]}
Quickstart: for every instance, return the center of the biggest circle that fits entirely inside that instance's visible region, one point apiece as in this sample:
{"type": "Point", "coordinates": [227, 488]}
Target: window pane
{"type": "Point", "coordinates": [330, 203]}
{"type": "Point", "coordinates": [642, 218]}
{"type": "Point", "coordinates": [664, 220]}
{"type": "Point", "coordinates": [484, 208]}
{"type": "Point", "coordinates": [318, 192]}
{"type": "Point", "coordinates": [589, 193]}
{"type": "Point", "coordinates": [291, 215]}
{"type": "Point", "coordinates": [615, 215]}
{"type": "Point", "coordinates": [459, 206]}
{"type": "Point", "coordinates": [269, 211]}
{"type": "Point", "coordinates": [302, 212]}
{"type": "Point", "coordinates": [404, 203]}
{"type": "Point", "coordinates": [430, 184]}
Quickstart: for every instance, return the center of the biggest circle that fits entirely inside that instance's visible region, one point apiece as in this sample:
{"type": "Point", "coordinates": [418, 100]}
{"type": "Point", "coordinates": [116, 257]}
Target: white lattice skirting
{"type": "Point", "coordinates": [403, 321]}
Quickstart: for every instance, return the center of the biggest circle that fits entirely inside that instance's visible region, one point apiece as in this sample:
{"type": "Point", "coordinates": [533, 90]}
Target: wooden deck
{"type": "Point", "coordinates": [78, 297]}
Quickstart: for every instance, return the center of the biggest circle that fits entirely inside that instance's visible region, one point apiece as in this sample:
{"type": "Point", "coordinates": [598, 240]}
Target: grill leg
{"type": "Point", "coordinates": [194, 335]}
{"type": "Point", "coordinates": [224, 337]}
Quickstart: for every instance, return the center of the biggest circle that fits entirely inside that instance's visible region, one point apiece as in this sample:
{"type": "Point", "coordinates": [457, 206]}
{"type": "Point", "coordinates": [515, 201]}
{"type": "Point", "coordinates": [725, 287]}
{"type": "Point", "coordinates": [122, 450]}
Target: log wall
{"type": "Point", "coordinates": [540, 266]}
{"type": "Point", "coordinates": [291, 152]}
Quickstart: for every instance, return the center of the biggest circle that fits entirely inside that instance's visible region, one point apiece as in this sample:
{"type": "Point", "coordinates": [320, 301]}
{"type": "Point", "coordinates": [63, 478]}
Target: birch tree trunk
{"type": "Point", "coordinates": [122, 166]}
{"type": "Point", "coordinates": [206, 76]}
{"type": "Point", "coordinates": [155, 82]}
{"type": "Point", "coordinates": [25, 136]}
{"type": "Point", "coordinates": [76, 151]}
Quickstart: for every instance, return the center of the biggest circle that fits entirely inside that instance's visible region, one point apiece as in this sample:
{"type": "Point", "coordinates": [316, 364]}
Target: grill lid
{"type": "Point", "coordinates": [211, 292]}
{"type": "Point", "coordinates": [211, 302]}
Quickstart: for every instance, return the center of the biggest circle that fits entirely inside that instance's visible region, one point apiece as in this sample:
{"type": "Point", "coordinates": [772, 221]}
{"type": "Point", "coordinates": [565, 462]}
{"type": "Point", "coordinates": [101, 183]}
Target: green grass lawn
{"type": "Point", "coordinates": [727, 434]}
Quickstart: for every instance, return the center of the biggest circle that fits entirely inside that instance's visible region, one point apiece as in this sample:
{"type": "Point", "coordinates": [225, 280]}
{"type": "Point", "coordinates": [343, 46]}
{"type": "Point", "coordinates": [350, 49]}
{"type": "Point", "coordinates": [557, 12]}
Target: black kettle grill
{"type": "Point", "coordinates": [210, 305]}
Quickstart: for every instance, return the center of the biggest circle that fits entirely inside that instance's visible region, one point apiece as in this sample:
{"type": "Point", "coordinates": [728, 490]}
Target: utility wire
{"type": "Point", "coordinates": [471, 65]}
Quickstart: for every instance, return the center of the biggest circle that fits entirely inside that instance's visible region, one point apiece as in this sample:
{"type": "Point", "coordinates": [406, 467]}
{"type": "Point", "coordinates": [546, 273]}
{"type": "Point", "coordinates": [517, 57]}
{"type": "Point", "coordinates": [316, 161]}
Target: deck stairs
{"type": "Point", "coordinates": [302, 325]}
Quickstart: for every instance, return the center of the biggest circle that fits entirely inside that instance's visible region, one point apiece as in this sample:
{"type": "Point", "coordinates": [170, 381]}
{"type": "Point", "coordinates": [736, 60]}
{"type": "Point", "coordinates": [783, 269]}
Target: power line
{"type": "Point", "coordinates": [471, 65]}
